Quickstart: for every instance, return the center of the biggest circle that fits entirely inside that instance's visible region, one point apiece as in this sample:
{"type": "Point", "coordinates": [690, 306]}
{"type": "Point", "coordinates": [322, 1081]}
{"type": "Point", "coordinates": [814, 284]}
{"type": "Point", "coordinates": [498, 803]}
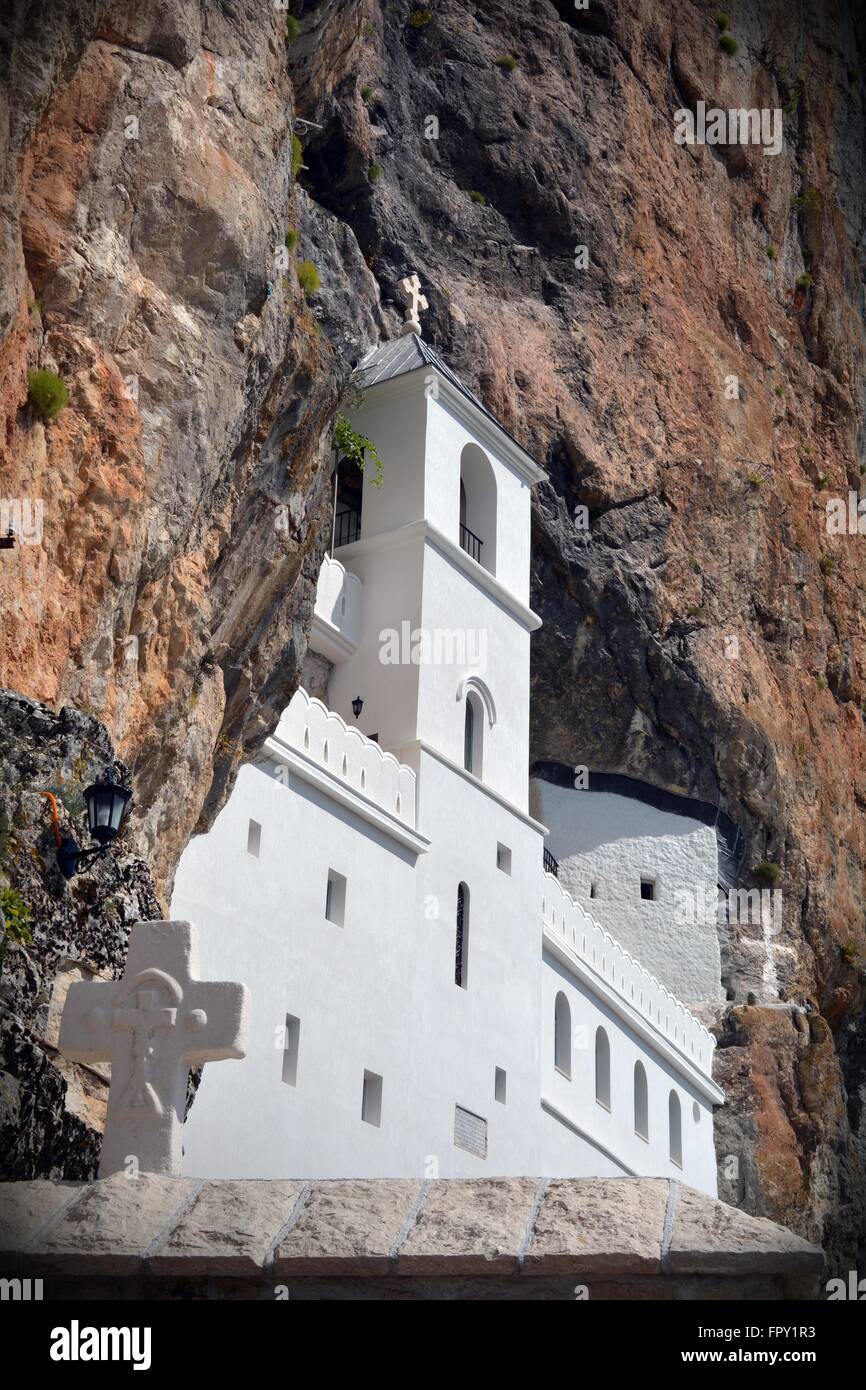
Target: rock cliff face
{"type": "Point", "coordinates": [695, 381]}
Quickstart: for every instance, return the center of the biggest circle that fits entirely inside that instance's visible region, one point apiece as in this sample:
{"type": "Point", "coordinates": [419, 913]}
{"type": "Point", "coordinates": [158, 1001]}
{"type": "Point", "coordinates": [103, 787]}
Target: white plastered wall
{"type": "Point", "coordinates": [612, 842]}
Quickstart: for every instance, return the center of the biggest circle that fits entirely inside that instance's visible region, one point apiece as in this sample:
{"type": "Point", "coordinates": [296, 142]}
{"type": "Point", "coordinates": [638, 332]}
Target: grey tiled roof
{"type": "Point", "coordinates": [402, 355]}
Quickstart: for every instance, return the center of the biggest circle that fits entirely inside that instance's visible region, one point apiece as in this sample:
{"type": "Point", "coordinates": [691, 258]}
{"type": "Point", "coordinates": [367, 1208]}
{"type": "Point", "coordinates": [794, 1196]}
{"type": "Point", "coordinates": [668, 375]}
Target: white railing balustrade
{"type": "Point", "coordinates": [308, 726]}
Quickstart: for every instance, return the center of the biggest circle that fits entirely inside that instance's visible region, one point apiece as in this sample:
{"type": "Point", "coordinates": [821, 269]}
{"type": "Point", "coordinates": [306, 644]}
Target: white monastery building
{"type": "Point", "coordinates": [429, 999]}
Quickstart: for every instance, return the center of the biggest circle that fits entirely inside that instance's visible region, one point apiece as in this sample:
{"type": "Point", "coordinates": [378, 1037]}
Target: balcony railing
{"type": "Point", "coordinates": [550, 864]}
{"type": "Point", "coordinates": [347, 527]}
{"type": "Point", "coordinates": [470, 542]}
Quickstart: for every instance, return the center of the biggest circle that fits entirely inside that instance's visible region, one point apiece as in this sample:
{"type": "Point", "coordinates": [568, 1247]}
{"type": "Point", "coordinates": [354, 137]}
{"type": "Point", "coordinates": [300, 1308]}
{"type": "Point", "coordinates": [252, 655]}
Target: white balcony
{"type": "Point", "coordinates": [336, 628]}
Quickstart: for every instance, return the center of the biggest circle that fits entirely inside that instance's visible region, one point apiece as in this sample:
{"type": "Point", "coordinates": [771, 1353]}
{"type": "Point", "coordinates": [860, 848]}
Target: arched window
{"type": "Point", "coordinates": [675, 1125]}
{"type": "Point", "coordinates": [461, 948]}
{"type": "Point", "coordinates": [562, 1035]}
{"type": "Point", "coordinates": [473, 735]}
{"type": "Point", "coordinates": [478, 507]}
{"type": "Point", "coordinates": [602, 1068]}
{"type": "Point", "coordinates": [641, 1102]}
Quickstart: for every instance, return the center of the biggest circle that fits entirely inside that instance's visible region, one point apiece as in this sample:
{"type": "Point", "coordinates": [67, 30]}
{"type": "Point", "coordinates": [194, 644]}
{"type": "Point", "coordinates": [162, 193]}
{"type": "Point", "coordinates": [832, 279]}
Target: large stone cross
{"type": "Point", "coordinates": [415, 302]}
{"type": "Point", "coordinates": [153, 1025]}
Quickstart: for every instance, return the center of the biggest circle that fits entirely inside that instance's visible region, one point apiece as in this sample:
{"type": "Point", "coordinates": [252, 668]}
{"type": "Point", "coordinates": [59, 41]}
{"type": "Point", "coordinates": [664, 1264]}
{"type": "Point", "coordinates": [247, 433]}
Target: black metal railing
{"type": "Point", "coordinates": [550, 864]}
{"type": "Point", "coordinates": [470, 542]}
{"type": "Point", "coordinates": [347, 527]}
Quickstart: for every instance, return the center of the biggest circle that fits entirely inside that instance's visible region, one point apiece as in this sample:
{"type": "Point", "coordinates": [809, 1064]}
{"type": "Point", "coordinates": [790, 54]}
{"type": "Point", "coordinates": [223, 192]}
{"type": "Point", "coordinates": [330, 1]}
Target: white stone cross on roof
{"type": "Point", "coordinates": [415, 302]}
{"type": "Point", "coordinates": [153, 1025]}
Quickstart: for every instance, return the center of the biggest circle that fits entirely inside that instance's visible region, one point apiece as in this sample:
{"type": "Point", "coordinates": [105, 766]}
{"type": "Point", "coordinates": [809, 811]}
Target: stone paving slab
{"type": "Point", "coordinates": [26, 1207]}
{"type": "Point", "coordinates": [599, 1226]}
{"type": "Point", "coordinates": [347, 1226]}
{"type": "Point", "coordinates": [711, 1237]}
{"type": "Point", "coordinates": [470, 1227]}
{"type": "Point", "coordinates": [227, 1229]}
{"type": "Point", "coordinates": [112, 1225]}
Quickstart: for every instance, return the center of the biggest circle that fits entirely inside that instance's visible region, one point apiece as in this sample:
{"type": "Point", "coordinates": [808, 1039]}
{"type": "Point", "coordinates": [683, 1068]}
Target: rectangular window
{"type": "Point", "coordinates": [503, 858]}
{"type": "Point", "coordinates": [499, 1086]}
{"type": "Point", "coordinates": [647, 889]}
{"type": "Point", "coordinates": [254, 839]}
{"type": "Point", "coordinates": [291, 1042]}
{"type": "Point", "coordinates": [335, 898]}
{"type": "Point", "coordinates": [371, 1099]}
{"type": "Point", "coordinates": [470, 1132]}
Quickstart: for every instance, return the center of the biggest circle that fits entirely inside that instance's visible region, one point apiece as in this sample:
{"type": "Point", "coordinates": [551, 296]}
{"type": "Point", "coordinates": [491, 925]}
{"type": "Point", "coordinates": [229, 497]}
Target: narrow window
{"type": "Point", "coordinates": [335, 898]}
{"type": "Point", "coordinates": [676, 1129]}
{"type": "Point", "coordinates": [470, 1132]}
{"type": "Point", "coordinates": [592, 892]}
{"type": "Point", "coordinates": [371, 1099]}
{"type": "Point", "coordinates": [647, 889]}
{"type": "Point", "coordinates": [291, 1043]}
{"type": "Point", "coordinates": [499, 1086]}
{"type": "Point", "coordinates": [461, 950]}
{"type": "Point", "coordinates": [468, 735]}
{"type": "Point", "coordinates": [503, 858]}
{"type": "Point", "coordinates": [602, 1068]}
{"type": "Point", "coordinates": [562, 1035]}
{"type": "Point", "coordinates": [641, 1102]}
{"type": "Point", "coordinates": [254, 839]}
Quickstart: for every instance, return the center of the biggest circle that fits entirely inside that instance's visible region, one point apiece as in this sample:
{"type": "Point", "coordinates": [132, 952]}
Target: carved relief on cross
{"type": "Point", "coordinates": [153, 1025]}
{"type": "Point", "coordinates": [415, 302]}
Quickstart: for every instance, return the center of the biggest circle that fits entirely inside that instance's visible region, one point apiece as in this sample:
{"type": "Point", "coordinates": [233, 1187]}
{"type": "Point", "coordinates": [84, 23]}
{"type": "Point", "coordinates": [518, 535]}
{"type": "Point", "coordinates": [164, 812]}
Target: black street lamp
{"type": "Point", "coordinates": [357, 706]}
{"type": "Point", "coordinates": [106, 805]}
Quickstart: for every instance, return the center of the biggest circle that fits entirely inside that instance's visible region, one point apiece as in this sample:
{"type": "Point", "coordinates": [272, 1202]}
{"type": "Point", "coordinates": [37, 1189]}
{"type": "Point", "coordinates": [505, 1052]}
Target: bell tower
{"type": "Point", "coordinates": [441, 547]}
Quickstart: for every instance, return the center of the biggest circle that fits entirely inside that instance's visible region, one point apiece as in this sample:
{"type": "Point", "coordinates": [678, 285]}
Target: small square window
{"type": "Point", "coordinates": [503, 858]}
{"type": "Point", "coordinates": [499, 1086]}
{"type": "Point", "coordinates": [371, 1099]}
{"type": "Point", "coordinates": [647, 890]}
{"type": "Point", "coordinates": [335, 898]}
{"type": "Point", "coordinates": [254, 839]}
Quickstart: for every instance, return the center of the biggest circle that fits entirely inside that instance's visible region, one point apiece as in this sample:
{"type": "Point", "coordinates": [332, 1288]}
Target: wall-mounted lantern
{"type": "Point", "coordinates": [106, 807]}
{"type": "Point", "coordinates": [357, 706]}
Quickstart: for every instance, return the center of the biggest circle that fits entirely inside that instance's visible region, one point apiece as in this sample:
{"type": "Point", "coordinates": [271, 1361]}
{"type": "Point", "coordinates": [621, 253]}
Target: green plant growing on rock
{"type": "Point", "coordinates": [728, 44]}
{"type": "Point", "coordinates": [821, 681]}
{"type": "Point", "coordinates": [308, 277]}
{"type": "Point", "coordinates": [506, 61]}
{"type": "Point", "coordinates": [352, 445]}
{"type": "Point", "coordinates": [755, 481]}
{"type": "Point", "coordinates": [772, 253]}
{"type": "Point", "coordinates": [810, 200]}
{"type": "Point", "coordinates": [293, 28]}
{"type": "Point", "coordinates": [721, 20]}
{"type": "Point", "coordinates": [35, 308]}
{"type": "Point", "coordinates": [827, 564]}
{"type": "Point", "coordinates": [419, 19]}
{"type": "Point", "coordinates": [374, 172]}
{"type": "Point", "coordinates": [477, 197]}
{"type": "Point", "coordinates": [821, 481]}
{"type": "Point", "coordinates": [47, 393]}
{"type": "Point", "coordinates": [804, 281]}
{"type": "Point", "coordinates": [366, 93]}
{"type": "Point", "coordinates": [291, 239]}
{"type": "Point", "coordinates": [17, 916]}
{"type": "Point", "coordinates": [848, 952]}
{"type": "Point", "coordinates": [297, 156]}
{"type": "Point", "coordinates": [697, 610]}
{"type": "Point", "coordinates": [766, 873]}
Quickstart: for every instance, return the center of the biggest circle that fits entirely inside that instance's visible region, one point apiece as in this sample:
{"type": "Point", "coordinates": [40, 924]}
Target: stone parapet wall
{"type": "Point", "coordinates": [517, 1238]}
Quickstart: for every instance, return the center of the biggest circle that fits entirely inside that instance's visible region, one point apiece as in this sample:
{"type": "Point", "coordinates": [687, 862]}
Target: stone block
{"type": "Point", "coordinates": [112, 1225]}
{"type": "Point", "coordinates": [347, 1227]}
{"type": "Point", "coordinates": [470, 1227]}
{"type": "Point", "coordinates": [599, 1226]}
{"type": "Point", "coordinates": [709, 1237]}
{"type": "Point", "coordinates": [228, 1229]}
